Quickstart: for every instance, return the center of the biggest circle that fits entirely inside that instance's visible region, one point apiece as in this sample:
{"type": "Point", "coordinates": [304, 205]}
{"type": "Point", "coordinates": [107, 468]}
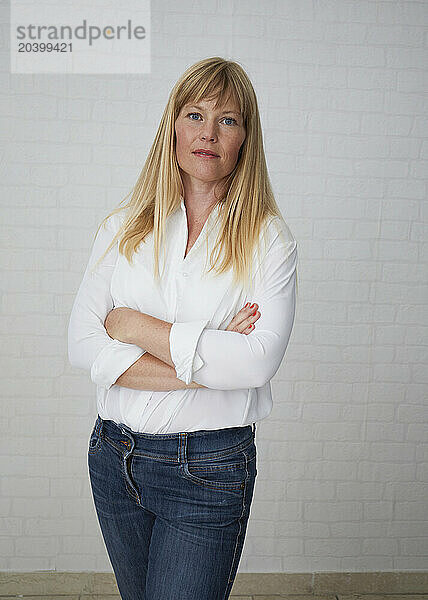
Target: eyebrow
{"type": "Point", "coordinates": [232, 112]}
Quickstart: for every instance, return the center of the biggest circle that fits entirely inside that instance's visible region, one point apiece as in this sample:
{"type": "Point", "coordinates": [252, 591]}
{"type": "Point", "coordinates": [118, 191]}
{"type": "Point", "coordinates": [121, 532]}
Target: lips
{"type": "Point", "coordinates": [203, 152]}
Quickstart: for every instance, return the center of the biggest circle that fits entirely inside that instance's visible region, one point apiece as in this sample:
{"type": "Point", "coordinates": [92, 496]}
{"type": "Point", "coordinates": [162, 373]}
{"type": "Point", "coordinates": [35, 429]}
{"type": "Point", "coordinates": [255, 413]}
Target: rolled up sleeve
{"type": "Point", "coordinates": [227, 360]}
{"type": "Point", "coordinates": [89, 345]}
{"type": "Point", "coordinates": [113, 360]}
{"type": "Point", "coordinates": [183, 339]}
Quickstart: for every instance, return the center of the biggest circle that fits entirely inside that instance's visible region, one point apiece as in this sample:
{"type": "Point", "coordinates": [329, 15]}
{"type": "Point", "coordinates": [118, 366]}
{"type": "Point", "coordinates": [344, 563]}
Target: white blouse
{"type": "Point", "coordinates": [235, 368]}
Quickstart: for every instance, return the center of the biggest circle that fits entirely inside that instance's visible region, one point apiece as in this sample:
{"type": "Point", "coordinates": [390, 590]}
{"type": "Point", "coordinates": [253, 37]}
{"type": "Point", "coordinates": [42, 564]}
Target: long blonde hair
{"type": "Point", "coordinates": [248, 202]}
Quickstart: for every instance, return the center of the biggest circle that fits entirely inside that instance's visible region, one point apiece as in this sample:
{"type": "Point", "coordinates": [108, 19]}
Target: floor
{"type": "Point", "coordinates": [258, 597]}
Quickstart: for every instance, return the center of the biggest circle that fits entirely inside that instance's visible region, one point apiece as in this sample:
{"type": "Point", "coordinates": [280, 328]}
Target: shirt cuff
{"type": "Point", "coordinates": [113, 360]}
{"type": "Point", "coordinates": [183, 339]}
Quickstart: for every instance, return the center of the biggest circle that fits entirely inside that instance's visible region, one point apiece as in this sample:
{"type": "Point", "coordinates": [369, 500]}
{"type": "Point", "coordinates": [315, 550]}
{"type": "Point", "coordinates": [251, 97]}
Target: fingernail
{"type": "Point", "coordinates": [253, 305]}
{"type": "Point", "coordinates": [246, 305]}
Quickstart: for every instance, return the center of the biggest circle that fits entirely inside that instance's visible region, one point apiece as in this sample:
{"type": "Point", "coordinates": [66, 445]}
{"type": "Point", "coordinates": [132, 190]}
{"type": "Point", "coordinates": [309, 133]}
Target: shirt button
{"type": "Point", "coordinates": [185, 274]}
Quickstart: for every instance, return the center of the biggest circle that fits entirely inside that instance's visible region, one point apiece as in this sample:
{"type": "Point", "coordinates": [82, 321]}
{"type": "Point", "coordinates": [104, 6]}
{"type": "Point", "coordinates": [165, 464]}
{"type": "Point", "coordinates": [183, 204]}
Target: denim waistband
{"type": "Point", "coordinates": [178, 446]}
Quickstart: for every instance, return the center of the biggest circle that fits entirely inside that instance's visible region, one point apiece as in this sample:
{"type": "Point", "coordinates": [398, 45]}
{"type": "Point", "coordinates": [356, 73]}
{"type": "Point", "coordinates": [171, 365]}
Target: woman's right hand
{"type": "Point", "coordinates": [243, 321]}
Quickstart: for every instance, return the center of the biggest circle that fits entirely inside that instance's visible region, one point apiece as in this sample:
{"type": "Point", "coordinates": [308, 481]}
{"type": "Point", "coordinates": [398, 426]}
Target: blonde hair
{"type": "Point", "coordinates": [248, 202]}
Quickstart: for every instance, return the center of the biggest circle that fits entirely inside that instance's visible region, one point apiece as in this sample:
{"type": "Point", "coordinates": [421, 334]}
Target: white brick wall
{"type": "Point", "coordinates": [343, 458]}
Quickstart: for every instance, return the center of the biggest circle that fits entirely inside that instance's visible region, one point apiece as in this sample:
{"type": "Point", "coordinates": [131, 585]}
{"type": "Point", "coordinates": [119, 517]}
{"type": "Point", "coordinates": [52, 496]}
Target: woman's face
{"type": "Point", "coordinates": [220, 131]}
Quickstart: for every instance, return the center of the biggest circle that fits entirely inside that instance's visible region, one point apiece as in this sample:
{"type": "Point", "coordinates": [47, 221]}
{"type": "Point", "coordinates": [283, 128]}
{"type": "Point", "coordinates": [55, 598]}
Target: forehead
{"type": "Point", "coordinates": [229, 106]}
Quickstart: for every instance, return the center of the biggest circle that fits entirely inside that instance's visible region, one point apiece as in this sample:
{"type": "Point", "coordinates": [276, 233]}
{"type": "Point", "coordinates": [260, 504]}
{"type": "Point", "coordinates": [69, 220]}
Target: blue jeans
{"type": "Point", "coordinates": [172, 508]}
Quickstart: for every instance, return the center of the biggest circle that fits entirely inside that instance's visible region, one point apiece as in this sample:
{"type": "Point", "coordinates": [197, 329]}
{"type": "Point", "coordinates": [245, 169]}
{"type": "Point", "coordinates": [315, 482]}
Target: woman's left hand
{"type": "Point", "coordinates": [120, 323]}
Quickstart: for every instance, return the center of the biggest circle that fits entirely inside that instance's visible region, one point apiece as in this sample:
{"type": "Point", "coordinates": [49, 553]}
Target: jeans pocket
{"type": "Point", "coordinates": [227, 473]}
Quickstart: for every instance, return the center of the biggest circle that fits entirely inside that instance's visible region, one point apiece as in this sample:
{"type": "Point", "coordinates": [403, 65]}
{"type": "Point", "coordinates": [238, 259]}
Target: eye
{"type": "Point", "coordinates": [198, 114]}
{"type": "Point", "coordinates": [230, 119]}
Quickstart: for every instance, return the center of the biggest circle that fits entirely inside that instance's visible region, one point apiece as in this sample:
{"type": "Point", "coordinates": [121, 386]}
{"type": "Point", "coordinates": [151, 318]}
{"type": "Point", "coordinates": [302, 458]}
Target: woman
{"type": "Point", "coordinates": [183, 360]}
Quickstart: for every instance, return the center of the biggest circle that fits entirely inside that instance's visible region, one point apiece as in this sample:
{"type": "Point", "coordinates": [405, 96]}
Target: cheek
{"type": "Point", "coordinates": [235, 144]}
{"type": "Point", "coordinates": [234, 149]}
{"type": "Point", "coordinates": [182, 138]}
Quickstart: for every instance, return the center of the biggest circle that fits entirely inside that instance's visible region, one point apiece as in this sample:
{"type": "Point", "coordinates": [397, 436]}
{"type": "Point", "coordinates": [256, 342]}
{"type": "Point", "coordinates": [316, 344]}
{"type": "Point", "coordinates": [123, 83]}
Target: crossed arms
{"type": "Point", "coordinates": [143, 352]}
{"type": "Point", "coordinates": [155, 370]}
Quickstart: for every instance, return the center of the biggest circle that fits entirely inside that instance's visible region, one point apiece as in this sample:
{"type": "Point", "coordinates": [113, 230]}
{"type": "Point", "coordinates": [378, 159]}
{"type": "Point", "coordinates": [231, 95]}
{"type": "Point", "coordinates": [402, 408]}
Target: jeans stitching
{"type": "Point", "coordinates": [220, 486]}
{"type": "Point", "coordinates": [130, 487]}
{"type": "Point", "coordinates": [215, 485]}
{"type": "Point", "coordinates": [95, 434]}
{"type": "Point", "coordinates": [95, 449]}
{"type": "Point", "coordinates": [239, 531]}
{"type": "Point", "coordinates": [132, 492]}
{"type": "Point", "coordinates": [212, 456]}
{"type": "Point", "coordinates": [166, 436]}
{"type": "Point", "coordinates": [222, 467]}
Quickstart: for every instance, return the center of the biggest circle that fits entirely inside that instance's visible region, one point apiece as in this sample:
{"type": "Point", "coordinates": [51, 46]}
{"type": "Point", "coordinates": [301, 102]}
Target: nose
{"type": "Point", "coordinates": [208, 132]}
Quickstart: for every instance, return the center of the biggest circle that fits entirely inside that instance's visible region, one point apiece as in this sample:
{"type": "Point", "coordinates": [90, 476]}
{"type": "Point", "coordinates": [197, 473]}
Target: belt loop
{"type": "Point", "coordinates": [100, 425]}
{"type": "Point", "coordinates": [254, 429]}
{"type": "Point", "coordinates": [182, 447]}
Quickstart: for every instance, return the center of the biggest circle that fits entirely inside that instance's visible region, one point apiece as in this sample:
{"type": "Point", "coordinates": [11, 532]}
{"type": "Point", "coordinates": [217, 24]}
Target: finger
{"type": "Point", "coordinates": [247, 325]}
{"type": "Point", "coordinates": [242, 319]}
{"type": "Point", "coordinates": [249, 329]}
{"type": "Point", "coordinates": [237, 319]}
{"type": "Point", "coordinates": [244, 316]}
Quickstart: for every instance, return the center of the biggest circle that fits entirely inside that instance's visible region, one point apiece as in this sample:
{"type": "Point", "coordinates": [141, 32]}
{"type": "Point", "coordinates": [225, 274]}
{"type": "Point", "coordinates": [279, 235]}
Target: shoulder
{"type": "Point", "coordinates": [113, 222]}
{"type": "Point", "coordinates": [276, 252]}
{"type": "Point", "coordinates": [278, 236]}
